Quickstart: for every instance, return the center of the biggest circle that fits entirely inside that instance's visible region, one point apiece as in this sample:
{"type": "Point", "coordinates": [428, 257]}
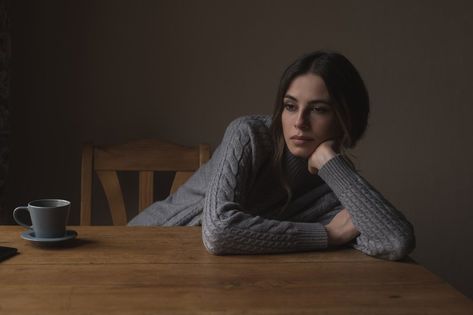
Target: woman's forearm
{"type": "Point", "coordinates": [384, 231]}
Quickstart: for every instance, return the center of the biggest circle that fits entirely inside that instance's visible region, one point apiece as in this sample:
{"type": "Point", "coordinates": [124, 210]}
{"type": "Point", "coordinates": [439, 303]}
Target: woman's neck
{"type": "Point", "coordinates": [297, 173]}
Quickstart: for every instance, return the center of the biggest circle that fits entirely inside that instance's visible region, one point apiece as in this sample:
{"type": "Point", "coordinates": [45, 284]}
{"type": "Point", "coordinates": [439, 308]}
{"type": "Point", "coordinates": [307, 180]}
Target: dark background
{"type": "Point", "coordinates": [112, 71]}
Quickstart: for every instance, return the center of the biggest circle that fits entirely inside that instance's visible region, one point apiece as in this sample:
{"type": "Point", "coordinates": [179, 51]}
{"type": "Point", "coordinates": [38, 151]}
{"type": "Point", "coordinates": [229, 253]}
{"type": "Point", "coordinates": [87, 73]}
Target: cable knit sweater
{"type": "Point", "coordinates": [237, 199]}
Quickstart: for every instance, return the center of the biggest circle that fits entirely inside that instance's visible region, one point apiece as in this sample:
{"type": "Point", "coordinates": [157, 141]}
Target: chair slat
{"type": "Point", "coordinates": [179, 179]}
{"type": "Point", "coordinates": [204, 153]}
{"type": "Point", "coordinates": [113, 192]}
{"type": "Point", "coordinates": [146, 189]}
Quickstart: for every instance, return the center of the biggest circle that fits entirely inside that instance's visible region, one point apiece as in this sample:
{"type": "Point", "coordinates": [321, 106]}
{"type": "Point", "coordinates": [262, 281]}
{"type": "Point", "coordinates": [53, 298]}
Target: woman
{"type": "Point", "coordinates": [285, 183]}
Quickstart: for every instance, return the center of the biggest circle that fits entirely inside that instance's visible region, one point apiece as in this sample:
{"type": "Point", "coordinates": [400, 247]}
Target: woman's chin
{"type": "Point", "coordinates": [300, 152]}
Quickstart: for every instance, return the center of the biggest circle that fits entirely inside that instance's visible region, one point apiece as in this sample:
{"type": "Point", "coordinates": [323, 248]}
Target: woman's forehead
{"type": "Point", "coordinates": [307, 87]}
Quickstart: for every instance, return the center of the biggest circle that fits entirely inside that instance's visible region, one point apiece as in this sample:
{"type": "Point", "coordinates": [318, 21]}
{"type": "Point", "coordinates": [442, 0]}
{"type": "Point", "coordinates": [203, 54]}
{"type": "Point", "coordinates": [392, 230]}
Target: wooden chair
{"type": "Point", "coordinates": [144, 156]}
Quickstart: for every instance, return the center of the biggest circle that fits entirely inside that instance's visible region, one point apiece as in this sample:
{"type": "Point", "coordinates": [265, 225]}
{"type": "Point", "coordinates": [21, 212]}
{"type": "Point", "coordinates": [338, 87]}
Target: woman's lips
{"type": "Point", "coordinates": [301, 140]}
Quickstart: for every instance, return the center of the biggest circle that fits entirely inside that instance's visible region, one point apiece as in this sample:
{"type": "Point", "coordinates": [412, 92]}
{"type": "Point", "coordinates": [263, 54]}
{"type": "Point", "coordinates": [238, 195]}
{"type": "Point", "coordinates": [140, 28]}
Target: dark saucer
{"type": "Point", "coordinates": [48, 241]}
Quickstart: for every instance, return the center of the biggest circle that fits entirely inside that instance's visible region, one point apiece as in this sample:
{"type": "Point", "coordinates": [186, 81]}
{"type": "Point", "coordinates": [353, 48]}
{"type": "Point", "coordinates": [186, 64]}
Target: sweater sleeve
{"type": "Point", "coordinates": [384, 231]}
{"type": "Point", "coordinates": [226, 227]}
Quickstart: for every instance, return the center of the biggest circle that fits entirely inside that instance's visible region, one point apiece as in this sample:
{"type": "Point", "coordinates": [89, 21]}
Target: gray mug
{"type": "Point", "coordinates": [48, 216]}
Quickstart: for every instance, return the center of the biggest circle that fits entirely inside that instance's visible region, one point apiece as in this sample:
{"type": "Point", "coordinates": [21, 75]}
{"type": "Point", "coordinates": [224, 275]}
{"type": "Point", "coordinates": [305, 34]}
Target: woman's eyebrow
{"type": "Point", "coordinates": [311, 102]}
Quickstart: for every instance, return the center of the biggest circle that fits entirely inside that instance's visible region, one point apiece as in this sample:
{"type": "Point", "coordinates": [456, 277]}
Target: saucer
{"type": "Point", "coordinates": [29, 236]}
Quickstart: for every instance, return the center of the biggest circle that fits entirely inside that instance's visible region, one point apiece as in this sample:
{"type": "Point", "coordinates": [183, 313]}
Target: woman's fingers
{"type": "Point", "coordinates": [320, 156]}
{"type": "Point", "coordinates": [341, 229]}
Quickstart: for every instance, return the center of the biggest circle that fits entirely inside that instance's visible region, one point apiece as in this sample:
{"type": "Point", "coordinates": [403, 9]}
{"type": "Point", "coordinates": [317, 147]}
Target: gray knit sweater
{"type": "Point", "coordinates": [237, 199]}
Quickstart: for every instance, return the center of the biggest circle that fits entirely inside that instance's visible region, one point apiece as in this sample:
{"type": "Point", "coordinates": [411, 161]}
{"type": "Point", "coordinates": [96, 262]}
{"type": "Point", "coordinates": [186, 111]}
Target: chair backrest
{"type": "Point", "coordinates": [144, 156]}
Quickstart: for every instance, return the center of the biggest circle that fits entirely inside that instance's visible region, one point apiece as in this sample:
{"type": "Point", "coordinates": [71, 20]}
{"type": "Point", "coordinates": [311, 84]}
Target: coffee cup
{"type": "Point", "coordinates": [48, 217]}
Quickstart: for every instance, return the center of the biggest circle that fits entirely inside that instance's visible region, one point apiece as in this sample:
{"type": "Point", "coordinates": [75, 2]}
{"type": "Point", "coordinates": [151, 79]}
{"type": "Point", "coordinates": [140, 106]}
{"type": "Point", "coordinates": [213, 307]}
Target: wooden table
{"type": "Point", "coordinates": [142, 270]}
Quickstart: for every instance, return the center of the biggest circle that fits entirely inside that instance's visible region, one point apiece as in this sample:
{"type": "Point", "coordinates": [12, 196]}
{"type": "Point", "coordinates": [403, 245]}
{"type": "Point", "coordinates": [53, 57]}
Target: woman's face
{"type": "Point", "coordinates": [308, 119]}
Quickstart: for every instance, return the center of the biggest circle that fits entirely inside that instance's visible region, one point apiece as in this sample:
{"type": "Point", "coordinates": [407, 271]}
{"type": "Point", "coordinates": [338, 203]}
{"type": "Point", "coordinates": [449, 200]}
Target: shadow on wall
{"type": "Point", "coordinates": [4, 103]}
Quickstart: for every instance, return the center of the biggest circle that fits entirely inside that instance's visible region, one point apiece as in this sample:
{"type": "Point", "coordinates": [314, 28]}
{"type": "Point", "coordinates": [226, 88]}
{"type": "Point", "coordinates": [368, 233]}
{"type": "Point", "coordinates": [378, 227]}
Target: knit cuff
{"type": "Point", "coordinates": [311, 236]}
{"type": "Point", "coordinates": [338, 174]}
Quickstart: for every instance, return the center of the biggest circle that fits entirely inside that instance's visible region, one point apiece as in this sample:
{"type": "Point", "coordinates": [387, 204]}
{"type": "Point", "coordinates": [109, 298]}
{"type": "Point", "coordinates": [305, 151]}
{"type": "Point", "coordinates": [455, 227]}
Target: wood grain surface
{"type": "Point", "coordinates": [166, 270]}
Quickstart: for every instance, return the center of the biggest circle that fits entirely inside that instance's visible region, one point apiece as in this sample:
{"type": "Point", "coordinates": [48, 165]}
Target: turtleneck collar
{"type": "Point", "coordinates": [297, 173]}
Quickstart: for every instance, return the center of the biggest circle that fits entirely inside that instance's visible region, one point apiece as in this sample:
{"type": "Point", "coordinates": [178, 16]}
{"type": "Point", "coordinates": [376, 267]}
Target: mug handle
{"type": "Point", "coordinates": [16, 211]}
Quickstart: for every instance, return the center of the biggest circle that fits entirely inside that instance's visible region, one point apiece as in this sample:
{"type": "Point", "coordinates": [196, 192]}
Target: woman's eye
{"type": "Point", "coordinates": [290, 107]}
{"type": "Point", "coordinates": [320, 110]}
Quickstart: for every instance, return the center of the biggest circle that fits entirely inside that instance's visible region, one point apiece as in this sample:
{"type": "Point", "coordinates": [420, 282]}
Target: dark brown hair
{"type": "Point", "coordinates": [349, 96]}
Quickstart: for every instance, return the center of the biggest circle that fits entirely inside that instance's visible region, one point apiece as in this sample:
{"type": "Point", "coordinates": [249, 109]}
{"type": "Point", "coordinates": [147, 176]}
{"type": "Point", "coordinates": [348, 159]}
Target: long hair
{"type": "Point", "coordinates": [347, 91]}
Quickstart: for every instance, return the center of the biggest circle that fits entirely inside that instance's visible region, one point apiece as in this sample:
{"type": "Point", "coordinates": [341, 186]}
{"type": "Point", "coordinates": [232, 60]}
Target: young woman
{"type": "Point", "coordinates": [285, 183]}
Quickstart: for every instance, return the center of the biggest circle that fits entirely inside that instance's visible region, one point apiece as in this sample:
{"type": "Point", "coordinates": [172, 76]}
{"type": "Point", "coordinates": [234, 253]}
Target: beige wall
{"type": "Point", "coordinates": [110, 71]}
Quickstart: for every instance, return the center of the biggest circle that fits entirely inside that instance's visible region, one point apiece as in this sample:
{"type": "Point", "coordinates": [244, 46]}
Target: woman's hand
{"type": "Point", "coordinates": [324, 152]}
{"type": "Point", "coordinates": [341, 229]}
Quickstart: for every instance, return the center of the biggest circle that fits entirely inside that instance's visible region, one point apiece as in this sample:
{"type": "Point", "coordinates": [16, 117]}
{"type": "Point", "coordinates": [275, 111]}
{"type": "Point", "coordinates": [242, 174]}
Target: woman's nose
{"type": "Point", "coordinates": [301, 122]}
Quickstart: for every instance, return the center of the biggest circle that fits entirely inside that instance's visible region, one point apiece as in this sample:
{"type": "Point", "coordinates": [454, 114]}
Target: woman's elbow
{"type": "Point", "coordinates": [214, 249]}
{"type": "Point", "coordinates": [402, 246]}
{"type": "Point", "coordinates": [213, 242]}
{"type": "Point", "coordinates": [394, 247]}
